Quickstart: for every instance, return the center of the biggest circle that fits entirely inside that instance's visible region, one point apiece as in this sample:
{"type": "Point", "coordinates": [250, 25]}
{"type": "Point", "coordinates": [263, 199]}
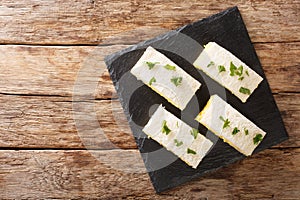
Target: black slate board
{"type": "Point", "coordinates": [139, 101]}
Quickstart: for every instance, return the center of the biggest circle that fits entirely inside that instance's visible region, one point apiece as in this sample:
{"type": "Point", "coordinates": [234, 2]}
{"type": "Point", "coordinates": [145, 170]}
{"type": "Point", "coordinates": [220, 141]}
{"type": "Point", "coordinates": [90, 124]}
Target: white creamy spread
{"type": "Point", "coordinates": [179, 95]}
{"type": "Point", "coordinates": [179, 138]}
{"type": "Point", "coordinates": [247, 135]}
{"type": "Point", "coordinates": [214, 56]}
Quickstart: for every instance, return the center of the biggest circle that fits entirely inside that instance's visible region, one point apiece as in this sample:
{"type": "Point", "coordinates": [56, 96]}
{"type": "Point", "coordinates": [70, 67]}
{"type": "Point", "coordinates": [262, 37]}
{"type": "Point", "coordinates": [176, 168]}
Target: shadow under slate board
{"type": "Point", "coordinates": [183, 46]}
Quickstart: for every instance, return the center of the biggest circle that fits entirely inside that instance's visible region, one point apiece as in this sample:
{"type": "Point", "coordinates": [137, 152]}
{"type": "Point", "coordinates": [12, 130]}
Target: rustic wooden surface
{"type": "Point", "coordinates": [44, 44]}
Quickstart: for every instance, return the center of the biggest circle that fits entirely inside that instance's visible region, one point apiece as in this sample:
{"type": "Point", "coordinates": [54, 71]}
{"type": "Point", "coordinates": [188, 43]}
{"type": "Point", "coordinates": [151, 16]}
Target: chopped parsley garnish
{"type": "Point", "coordinates": [177, 124]}
{"type": "Point", "coordinates": [152, 80]}
{"type": "Point", "coordinates": [226, 122]}
{"type": "Point", "coordinates": [235, 131]}
{"type": "Point", "coordinates": [236, 71]}
{"type": "Point", "coordinates": [232, 69]}
{"type": "Point", "coordinates": [190, 151]}
{"type": "Point", "coordinates": [170, 67]}
{"type": "Point", "coordinates": [246, 131]}
{"type": "Point", "coordinates": [194, 132]}
{"type": "Point", "coordinates": [257, 138]}
{"type": "Point", "coordinates": [151, 64]}
{"type": "Point", "coordinates": [241, 78]}
{"type": "Point", "coordinates": [247, 73]}
{"type": "Point", "coordinates": [239, 71]}
{"type": "Point", "coordinates": [210, 64]}
{"type": "Point", "coordinates": [221, 68]}
{"type": "Point", "coordinates": [176, 81]}
{"type": "Point", "coordinates": [178, 144]}
{"type": "Point", "coordinates": [244, 90]}
{"type": "Point", "coordinates": [165, 128]}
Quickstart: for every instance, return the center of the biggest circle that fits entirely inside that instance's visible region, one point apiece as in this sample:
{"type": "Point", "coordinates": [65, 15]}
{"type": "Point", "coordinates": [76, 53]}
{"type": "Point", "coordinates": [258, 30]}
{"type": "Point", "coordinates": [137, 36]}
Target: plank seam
{"type": "Point", "coordinates": [99, 99]}
{"type": "Point", "coordinates": [114, 44]}
{"type": "Point", "coordinates": [94, 149]}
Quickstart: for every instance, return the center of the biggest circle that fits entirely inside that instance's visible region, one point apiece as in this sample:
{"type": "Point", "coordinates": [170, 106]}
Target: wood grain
{"type": "Point", "coordinates": [46, 47]}
{"type": "Point", "coordinates": [281, 65]}
{"type": "Point", "coordinates": [80, 174]}
{"type": "Point", "coordinates": [48, 122]}
{"type": "Point", "coordinates": [93, 21]}
{"type": "Point", "coordinates": [43, 122]}
{"type": "Point", "coordinates": [44, 70]}
{"type": "Point", "coordinates": [40, 70]}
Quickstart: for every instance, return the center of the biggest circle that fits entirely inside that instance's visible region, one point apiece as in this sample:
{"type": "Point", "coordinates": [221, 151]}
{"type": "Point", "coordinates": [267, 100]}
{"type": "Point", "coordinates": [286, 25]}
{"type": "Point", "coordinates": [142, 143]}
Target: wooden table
{"type": "Point", "coordinates": [45, 43]}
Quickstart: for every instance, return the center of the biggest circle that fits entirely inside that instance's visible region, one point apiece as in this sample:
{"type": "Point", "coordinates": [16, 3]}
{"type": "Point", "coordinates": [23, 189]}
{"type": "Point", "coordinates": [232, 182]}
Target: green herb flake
{"type": "Point", "coordinates": [221, 68]}
{"type": "Point", "coordinates": [241, 78]}
{"type": "Point", "coordinates": [226, 122]}
{"type": "Point", "coordinates": [152, 80]}
{"type": "Point", "coordinates": [245, 90]}
{"type": "Point", "coordinates": [177, 124]}
{"type": "Point", "coordinates": [176, 81]}
{"type": "Point", "coordinates": [190, 151]}
{"type": "Point", "coordinates": [246, 131]}
{"type": "Point", "coordinates": [239, 71]}
{"type": "Point", "coordinates": [247, 73]}
{"type": "Point", "coordinates": [165, 128]}
{"type": "Point", "coordinates": [151, 64]}
{"type": "Point", "coordinates": [170, 67]}
{"type": "Point", "coordinates": [178, 143]}
{"type": "Point", "coordinates": [211, 64]}
{"type": "Point", "coordinates": [232, 69]}
{"type": "Point", "coordinates": [235, 131]}
{"type": "Point", "coordinates": [194, 132]}
{"type": "Point", "coordinates": [257, 139]}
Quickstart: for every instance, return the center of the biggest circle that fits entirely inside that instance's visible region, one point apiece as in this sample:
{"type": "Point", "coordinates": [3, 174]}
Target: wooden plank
{"type": "Point", "coordinates": [54, 70]}
{"type": "Point", "coordinates": [49, 122]}
{"type": "Point", "coordinates": [289, 106]}
{"type": "Point", "coordinates": [83, 174]}
{"type": "Point", "coordinates": [43, 122]}
{"type": "Point", "coordinates": [92, 21]}
{"type": "Point", "coordinates": [39, 70]}
{"type": "Point", "coordinates": [281, 65]}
